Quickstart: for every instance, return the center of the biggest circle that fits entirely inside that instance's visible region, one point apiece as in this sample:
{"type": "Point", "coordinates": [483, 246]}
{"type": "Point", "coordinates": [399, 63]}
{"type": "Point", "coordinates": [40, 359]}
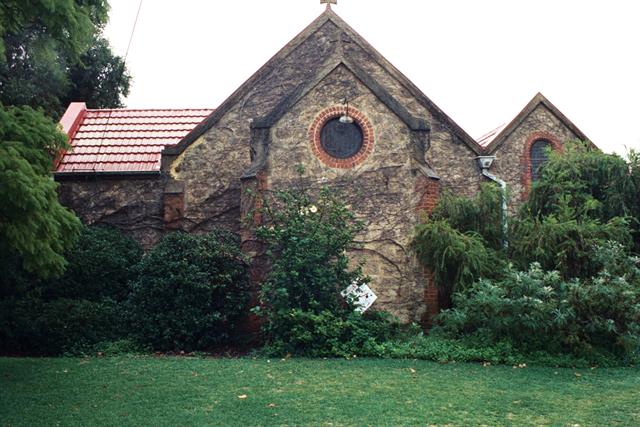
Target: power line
{"type": "Point", "coordinates": [133, 30]}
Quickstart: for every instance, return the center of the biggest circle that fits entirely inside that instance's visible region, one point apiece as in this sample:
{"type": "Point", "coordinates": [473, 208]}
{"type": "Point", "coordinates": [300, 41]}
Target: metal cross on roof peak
{"type": "Point", "coordinates": [328, 3]}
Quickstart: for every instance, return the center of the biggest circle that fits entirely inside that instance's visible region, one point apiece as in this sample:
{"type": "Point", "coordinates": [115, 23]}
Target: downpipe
{"type": "Point", "coordinates": [485, 163]}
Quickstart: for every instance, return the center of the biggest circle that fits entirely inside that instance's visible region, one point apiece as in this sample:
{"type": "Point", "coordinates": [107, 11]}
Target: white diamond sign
{"type": "Point", "coordinates": [360, 295]}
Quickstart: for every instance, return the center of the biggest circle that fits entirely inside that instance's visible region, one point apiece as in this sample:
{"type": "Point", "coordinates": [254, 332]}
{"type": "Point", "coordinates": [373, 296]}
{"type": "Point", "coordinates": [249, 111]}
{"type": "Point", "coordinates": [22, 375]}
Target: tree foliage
{"type": "Point", "coordinates": [457, 259]}
{"type": "Point", "coordinates": [53, 52]}
{"type": "Point", "coordinates": [100, 78]}
{"type": "Point", "coordinates": [480, 214]}
{"type": "Point", "coordinates": [462, 240]}
{"type": "Point", "coordinates": [582, 184]}
{"type": "Point", "coordinates": [33, 223]}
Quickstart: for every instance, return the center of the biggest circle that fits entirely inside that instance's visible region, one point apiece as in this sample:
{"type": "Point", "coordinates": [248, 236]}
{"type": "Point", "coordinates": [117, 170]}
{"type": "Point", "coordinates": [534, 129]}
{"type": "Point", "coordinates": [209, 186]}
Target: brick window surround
{"type": "Point", "coordinates": [334, 112]}
{"type": "Point", "coordinates": [526, 157]}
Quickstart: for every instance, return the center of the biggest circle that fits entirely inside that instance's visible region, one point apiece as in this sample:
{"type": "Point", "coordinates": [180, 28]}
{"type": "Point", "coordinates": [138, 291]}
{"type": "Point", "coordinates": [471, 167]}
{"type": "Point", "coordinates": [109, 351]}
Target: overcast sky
{"type": "Point", "coordinates": [480, 61]}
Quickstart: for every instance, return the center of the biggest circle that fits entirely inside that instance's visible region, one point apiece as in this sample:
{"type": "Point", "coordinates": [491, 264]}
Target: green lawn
{"type": "Point", "coordinates": [246, 392]}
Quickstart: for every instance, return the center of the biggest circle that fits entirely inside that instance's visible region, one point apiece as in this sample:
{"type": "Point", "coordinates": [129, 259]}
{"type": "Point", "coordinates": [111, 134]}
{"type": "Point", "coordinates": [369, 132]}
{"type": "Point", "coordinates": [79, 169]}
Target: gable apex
{"type": "Point", "coordinates": [369, 81]}
{"type": "Point", "coordinates": [538, 100]}
{"type": "Point", "coordinates": [327, 16]}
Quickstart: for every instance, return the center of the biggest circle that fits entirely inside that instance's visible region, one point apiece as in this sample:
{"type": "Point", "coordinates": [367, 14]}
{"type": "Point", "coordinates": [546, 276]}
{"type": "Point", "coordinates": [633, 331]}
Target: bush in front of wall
{"type": "Point", "coordinates": [71, 313]}
{"type": "Point", "coordinates": [457, 259]}
{"type": "Point", "coordinates": [191, 292]}
{"type": "Point", "coordinates": [462, 240]}
{"type": "Point", "coordinates": [330, 334]}
{"type": "Point", "coordinates": [307, 235]}
{"type": "Point", "coordinates": [34, 326]}
{"type": "Point", "coordinates": [538, 310]}
{"type": "Point", "coordinates": [100, 265]}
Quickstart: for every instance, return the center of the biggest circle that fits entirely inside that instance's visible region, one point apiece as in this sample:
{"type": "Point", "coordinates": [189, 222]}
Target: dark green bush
{"type": "Point", "coordinates": [329, 334]}
{"type": "Point", "coordinates": [539, 311]}
{"type": "Point", "coordinates": [457, 259]}
{"type": "Point", "coordinates": [607, 306]}
{"type": "Point", "coordinates": [31, 325]}
{"type": "Point", "coordinates": [481, 214]}
{"type": "Point", "coordinates": [191, 292]}
{"type": "Point", "coordinates": [462, 240]}
{"type": "Point", "coordinates": [71, 313]}
{"type": "Point", "coordinates": [100, 265]}
{"type": "Point", "coordinates": [564, 241]}
{"type": "Point", "coordinates": [589, 183]}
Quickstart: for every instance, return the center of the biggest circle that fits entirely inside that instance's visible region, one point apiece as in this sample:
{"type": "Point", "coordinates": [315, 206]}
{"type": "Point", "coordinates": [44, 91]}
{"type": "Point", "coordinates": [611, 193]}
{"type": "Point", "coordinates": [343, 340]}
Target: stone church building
{"type": "Point", "coordinates": [330, 102]}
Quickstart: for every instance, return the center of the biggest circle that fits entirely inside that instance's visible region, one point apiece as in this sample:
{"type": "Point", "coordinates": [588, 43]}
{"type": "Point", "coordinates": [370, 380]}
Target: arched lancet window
{"type": "Point", "coordinates": [539, 156]}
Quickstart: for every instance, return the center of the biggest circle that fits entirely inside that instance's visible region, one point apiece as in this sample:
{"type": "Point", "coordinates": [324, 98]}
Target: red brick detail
{"type": "Point", "coordinates": [429, 191]}
{"type": "Point", "coordinates": [430, 299]}
{"type": "Point", "coordinates": [525, 161]}
{"type": "Point", "coordinates": [173, 210]}
{"type": "Point", "coordinates": [254, 249]}
{"type": "Point", "coordinates": [367, 137]}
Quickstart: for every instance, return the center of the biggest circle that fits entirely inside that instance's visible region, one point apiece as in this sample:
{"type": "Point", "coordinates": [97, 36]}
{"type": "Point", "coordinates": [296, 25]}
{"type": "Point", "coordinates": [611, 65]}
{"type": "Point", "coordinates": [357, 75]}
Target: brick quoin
{"type": "Point", "coordinates": [258, 264]}
{"type": "Point", "coordinates": [367, 137]}
{"type": "Point", "coordinates": [525, 161]}
{"type": "Point", "coordinates": [429, 191]}
{"type": "Point", "coordinates": [173, 211]}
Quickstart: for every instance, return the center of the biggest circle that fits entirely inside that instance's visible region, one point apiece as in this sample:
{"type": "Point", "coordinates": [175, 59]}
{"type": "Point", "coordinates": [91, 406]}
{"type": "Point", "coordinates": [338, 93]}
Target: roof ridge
{"type": "Point", "coordinates": [106, 110]}
{"type": "Point", "coordinates": [537, 100]}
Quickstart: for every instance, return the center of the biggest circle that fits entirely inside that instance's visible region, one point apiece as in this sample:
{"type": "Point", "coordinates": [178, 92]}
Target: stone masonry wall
{"type": "Point", "coordinates": [211, 167]}
{"type": "Point", "coordinates": [134, 205]}
{"type": "Point", "coordinates": [512, 156]}
{"type": "Point", "coordinates": [384, 190]}
{"type": "Point", "coordinates": [381, 189]}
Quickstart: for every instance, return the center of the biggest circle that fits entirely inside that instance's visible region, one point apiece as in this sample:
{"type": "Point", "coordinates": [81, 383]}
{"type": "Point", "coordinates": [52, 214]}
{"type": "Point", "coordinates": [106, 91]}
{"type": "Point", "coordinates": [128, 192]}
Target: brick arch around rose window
{"type": "Point", "coordinates": [527, 171]}
{"type": "Point", "coordinates": [329, 114]}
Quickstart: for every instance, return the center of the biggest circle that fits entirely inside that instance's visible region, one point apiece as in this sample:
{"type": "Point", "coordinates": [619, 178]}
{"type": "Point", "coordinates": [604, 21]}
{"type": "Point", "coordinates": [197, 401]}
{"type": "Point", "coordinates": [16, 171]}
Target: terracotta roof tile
{"type": "Point", "coordinates": [123, 140]}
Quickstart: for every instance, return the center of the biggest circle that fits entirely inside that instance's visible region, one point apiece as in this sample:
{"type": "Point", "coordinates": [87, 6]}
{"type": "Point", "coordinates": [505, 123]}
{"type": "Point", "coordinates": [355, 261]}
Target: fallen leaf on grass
{"type": "Point", "coordinates": [271, 405]}
{"type": "Point", "coordinates": [578, 374]}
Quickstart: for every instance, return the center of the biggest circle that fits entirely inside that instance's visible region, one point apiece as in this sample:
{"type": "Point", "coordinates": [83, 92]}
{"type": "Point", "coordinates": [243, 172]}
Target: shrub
{"type": "Point", "coordinates": [457, 259]}
{"type": "Point", "coordinates": [539, 311]}
{"type": "Point", "coordinates": [307, 238]}
{"type": "Point", "coordinates": [462, 240]}
{"type": "Point", "coordinates": [564, 241]}
{"type": "Point", "coordinates": [329, 334]}
{"type": "Point", "coordinates": [591, 184]}
{"type": "Point", "coordinates": [191, 292]}
{"type": "Point", "coordinates": [100, 265]}
{"type": "Point", "coordinates": [31, 325]}
{"type": "Point", "coordinates": [525, 308]}
{"type": "Point", "coordinates": [481, 214]}
{"type": "Point", "coordinates": [71, 313]}
{"type": "Point", "coordinates": [447, 350]}
{"type": "Point", "coordinates": [607, 306]}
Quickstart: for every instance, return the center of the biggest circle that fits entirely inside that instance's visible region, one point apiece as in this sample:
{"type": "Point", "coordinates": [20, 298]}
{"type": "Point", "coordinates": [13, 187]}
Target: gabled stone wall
{"type": "Point", "coordinates": [513, 155]}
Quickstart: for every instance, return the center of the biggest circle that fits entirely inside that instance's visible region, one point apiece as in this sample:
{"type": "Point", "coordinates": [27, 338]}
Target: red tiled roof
{"type": "Point", "coordinates": [122, 140]}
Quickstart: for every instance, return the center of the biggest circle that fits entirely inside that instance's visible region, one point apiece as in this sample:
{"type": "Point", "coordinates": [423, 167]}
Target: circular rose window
{"type": "Point", "coordinates": [341, 144]}
{"type": "Point", "coordinates": [341, 140]}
